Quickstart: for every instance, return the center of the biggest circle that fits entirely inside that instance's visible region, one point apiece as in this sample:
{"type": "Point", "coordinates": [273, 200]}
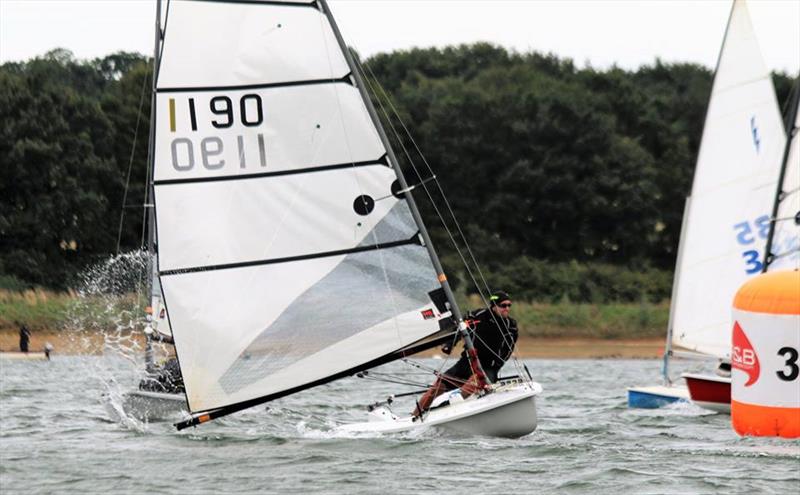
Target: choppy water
{"type": "Point", "coordinates": [57, 436]}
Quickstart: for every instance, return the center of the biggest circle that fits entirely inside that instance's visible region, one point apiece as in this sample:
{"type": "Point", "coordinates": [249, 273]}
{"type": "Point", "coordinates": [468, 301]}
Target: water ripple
{"type": "Point", "coordinates": [62, 430]}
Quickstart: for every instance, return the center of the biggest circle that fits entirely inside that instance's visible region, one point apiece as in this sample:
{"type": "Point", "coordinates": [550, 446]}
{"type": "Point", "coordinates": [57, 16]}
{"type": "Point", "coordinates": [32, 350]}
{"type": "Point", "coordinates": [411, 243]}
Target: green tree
{"type": "Point", "coordinates": [57, 166]}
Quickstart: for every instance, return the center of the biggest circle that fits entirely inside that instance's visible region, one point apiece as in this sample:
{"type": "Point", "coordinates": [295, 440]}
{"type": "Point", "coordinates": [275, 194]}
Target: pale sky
{"type": "Point", "coordinates": [629, 33]}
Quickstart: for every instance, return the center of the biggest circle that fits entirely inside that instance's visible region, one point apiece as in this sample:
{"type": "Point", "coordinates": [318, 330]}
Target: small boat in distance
{"type": "Point", "coordinates": [726, 218]}
{"type": "Point", "coordinates": [782, 252]}
{"type": "Point", "coordinates": [709, 391]}
{"type": "Point", "coordinates": [656, 396]}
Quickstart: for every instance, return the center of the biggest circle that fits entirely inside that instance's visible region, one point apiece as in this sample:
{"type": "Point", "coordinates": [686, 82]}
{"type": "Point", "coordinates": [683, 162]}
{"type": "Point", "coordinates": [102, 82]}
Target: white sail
{"type": "Point", "coordinates": [786, 240]}
{"type": "Point", "coordinates": [272, 192]}
{"type": "Point", "coordinates": [732, 193]}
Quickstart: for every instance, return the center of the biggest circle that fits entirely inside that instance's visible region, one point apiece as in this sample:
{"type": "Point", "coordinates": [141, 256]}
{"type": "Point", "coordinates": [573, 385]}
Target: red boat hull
{"type": "Point", "coordinates": [709, 391]}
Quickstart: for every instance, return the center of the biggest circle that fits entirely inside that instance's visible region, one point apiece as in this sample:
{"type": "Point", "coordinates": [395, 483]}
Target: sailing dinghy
{"type": "Point", "coordinates": [290, 250]}
{"type": "Point", "coordinates": [508, 411]}
{"type": "Point", "coordinates": [727, 216]}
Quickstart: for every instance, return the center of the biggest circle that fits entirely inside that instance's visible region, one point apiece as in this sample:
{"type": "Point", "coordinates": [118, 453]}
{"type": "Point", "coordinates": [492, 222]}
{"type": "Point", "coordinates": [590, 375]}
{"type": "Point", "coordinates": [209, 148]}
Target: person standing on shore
{"type": "Point", "coordinates": [24, 337]}
{"type": "Point", "coordinates": [494, 334]}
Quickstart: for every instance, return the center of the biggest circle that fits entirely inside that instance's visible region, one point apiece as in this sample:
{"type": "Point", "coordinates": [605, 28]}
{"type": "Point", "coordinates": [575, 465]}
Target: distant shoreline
{"type": "Point", "coordinates": [582, 348]}
{"type": "Point", "coordinates": [88, 343]}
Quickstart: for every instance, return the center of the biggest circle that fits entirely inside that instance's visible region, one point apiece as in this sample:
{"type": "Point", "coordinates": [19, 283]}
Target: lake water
{"type": "Point", "coordinates": [57, 435]}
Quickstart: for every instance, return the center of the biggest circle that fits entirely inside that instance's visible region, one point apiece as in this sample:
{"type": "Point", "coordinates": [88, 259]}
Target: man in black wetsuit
{"type": "Point", "coordinates": [494, 335]}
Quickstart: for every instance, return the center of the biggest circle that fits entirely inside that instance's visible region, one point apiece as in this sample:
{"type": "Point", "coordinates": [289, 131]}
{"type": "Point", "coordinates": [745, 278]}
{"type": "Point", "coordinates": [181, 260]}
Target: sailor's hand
{"type": "Point", "coordinates": [447, 349]}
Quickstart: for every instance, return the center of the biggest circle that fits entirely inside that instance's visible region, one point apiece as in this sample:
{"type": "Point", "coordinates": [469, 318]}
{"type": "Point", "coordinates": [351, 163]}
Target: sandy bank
{"type": "Point", "coordinates": [528, 347]}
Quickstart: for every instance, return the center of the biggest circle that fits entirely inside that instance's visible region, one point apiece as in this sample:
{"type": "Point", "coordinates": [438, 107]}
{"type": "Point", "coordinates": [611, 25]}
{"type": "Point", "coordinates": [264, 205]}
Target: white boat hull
{"type": "Point", "coordinates": [509, 411]}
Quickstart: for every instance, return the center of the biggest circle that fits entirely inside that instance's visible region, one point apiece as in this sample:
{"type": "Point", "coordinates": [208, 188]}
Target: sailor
{"type": "Point", "coordinates": [166, 377]}
{"type": "Point", "coordinates": [24, 337]}
{"type": "Point", "coordinates": [494, 335]}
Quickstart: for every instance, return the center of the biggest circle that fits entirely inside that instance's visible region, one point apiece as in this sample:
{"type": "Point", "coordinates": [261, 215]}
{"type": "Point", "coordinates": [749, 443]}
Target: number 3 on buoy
{"type": "Point", "coordinates": [765, 393]}
{"type": "Point", "coordinates": [791, 355]}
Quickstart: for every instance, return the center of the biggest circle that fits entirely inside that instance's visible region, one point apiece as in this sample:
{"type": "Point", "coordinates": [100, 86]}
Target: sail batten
{"type": "Point", "coordinates": [200, 89]}
{"type": "Point", "coordinates": [281, 3]}
{"type": "Point", "coordinates": [413, 240]}
{"type": "Point", "coordinates": [321, 168]}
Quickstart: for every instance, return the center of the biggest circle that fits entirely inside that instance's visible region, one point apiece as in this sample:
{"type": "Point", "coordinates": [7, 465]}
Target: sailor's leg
{"type": "Point", "coordinates": [443, 384]}
{"type": "Point", "coordinates": [470, 387]}
{"type": "Point", "coordinates": [449, 380]}
{"type": "Point", "coordinates": [424, 402]}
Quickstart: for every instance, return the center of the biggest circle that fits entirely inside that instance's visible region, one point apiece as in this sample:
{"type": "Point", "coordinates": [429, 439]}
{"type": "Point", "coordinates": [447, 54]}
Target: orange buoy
{"type": "Point", "coordinates": [765, 357]}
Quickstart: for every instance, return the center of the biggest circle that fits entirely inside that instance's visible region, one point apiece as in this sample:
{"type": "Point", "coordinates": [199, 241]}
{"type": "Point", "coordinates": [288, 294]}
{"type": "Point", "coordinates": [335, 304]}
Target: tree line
{"type": "Point", "coordinates": [568, 182]}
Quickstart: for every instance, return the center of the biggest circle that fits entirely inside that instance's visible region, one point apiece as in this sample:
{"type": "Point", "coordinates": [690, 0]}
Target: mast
{"type": "Point", "coordinates": [675, 278]}
{"type": "Point", "coordinates": [149, 200]}
{"type": "Point", "coordinates": [150, 195]}
{"type": "Point", "coordinates": [780, 194]}
{"type": "Point", "coordinates": [462, 327]}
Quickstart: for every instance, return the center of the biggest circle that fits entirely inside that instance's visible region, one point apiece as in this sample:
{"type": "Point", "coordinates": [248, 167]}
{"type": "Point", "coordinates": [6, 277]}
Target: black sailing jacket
{"type": "Point", "coordinates": [494, 338]}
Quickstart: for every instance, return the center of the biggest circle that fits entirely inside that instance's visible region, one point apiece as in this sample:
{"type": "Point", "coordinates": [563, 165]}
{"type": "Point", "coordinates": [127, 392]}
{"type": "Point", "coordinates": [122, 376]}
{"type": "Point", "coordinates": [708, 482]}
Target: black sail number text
{"type": "Point", "coordinates": [250, 111]}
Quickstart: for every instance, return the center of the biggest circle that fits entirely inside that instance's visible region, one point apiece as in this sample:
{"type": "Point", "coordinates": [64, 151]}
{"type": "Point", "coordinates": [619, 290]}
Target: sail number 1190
{"type": "Point", "coordinates": [225, 113]}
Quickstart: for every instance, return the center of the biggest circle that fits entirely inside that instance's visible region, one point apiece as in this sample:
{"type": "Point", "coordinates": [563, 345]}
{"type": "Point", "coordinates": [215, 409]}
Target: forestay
{"type": "Point", "coordinates": [786, 239]}
{"type": "Point", "coordinates": [732, 193]}
{"type": "Point", "coordinates": [287, 253]}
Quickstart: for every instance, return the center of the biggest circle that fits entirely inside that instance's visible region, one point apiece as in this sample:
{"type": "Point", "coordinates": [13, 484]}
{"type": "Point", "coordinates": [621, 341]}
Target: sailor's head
{"type": "Point", "coordinates": [500, 302]}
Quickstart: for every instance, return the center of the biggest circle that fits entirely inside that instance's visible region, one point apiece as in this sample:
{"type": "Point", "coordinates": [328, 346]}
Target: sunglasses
{"type": "Point", "coordinates": [505, 305]}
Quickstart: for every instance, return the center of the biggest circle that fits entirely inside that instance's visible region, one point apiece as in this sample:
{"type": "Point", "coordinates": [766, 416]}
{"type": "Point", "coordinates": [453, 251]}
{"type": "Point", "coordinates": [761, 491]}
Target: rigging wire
{"type": "Point", "coordinates": [394, 380]}
{"type": "Point", "coordinates": [433, 203]}
{"type": "Point", "coordinates": [452, 214]}
{"type": "Point", "coordinates": [350, 57]}
{"type": "Point", "coordinates": [359, 67]}
{"type": "Point", "coordinates": [438, 184]}
{"type": "Point", "coordinates": [491, 313]}
{"type": "Point", "coordinates": [126, 190]}
{"type": "Point", "coordinates": [130, 161]}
